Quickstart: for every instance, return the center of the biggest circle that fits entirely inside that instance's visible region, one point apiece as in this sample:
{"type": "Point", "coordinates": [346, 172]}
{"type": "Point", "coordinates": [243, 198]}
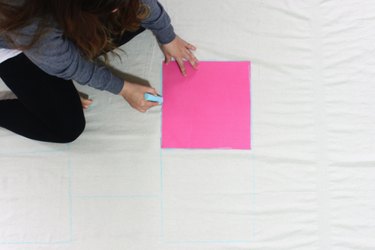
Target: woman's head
{"type": "Point", "coordinates": [90, 24]}
{"type": "Point", "coordinates": [103, 6]}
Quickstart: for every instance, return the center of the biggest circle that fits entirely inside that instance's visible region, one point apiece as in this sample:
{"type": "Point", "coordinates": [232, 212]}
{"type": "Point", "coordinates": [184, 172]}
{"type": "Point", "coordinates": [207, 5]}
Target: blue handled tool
{"type": "Point", "coordinates": [153, 98]}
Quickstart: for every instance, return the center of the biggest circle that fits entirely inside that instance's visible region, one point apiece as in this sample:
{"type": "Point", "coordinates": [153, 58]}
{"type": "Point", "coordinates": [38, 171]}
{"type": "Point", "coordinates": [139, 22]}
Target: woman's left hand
{"type": "Point", "coordinates": [181, 51]}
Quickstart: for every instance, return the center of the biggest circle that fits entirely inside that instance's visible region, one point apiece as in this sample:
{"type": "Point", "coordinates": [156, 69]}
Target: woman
{"type": "Point", "coordinates": [45, 44]}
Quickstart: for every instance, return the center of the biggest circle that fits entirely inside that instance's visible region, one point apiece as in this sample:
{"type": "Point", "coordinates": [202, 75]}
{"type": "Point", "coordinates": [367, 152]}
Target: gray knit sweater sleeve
{"type": "Point", "coordinates": [159, 22]}
{"type": "Point", "coordinates": [59, 57]}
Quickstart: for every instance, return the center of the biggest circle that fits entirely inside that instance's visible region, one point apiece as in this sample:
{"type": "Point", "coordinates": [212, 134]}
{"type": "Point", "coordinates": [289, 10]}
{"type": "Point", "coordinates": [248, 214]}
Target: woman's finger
{"type": "Point", "coordinates": [193, 60]}
{"type": "Point", "coordinates": [147, 106]}
{"type": "Point", "coordinates": [190, 46]}
{"type": "Point", "coordinates": [152, 104]}
{"type": "Point", "coordinates": [181, 65]}
{"type": "Point", "coordinates": [168, 59]}
{"type": "Point", "coordinates": [153, 91]}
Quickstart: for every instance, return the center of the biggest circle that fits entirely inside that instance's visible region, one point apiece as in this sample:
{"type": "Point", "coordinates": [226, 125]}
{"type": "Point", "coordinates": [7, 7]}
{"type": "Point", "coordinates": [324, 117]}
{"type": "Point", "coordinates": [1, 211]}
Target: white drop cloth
{"type": "Point", "coordinates": [307, 184]}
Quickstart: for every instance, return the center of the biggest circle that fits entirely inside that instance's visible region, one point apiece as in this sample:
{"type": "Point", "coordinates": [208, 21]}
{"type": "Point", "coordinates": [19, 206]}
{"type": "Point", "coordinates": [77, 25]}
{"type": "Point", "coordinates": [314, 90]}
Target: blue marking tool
{"type": "Point", "coordinates": [153, 98]}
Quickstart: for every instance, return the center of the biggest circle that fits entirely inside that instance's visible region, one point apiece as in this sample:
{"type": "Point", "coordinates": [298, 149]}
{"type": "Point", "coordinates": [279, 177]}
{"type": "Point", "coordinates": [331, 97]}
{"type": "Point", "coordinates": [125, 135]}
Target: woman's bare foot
{"type": "Point", "coordinates": [85, 100]}
{"type": "Point", "coordinates": [86, 103]}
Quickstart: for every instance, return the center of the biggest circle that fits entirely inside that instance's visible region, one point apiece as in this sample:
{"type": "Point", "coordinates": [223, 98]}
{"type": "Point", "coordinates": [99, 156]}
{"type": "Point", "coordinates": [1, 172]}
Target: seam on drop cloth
{"type": "Point", "coordinates": [321, 133]}
{"type": "Point", "coordinates": [147, 70]}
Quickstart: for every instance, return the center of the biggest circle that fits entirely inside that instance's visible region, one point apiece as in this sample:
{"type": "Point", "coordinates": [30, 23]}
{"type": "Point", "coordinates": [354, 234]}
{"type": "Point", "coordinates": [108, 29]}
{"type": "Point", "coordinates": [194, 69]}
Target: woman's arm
{"type": "Point", "coordinates": [59, 57]}
{"type": "Point", "coordinates": [158, 22]}
{"type": "Point", "coordinates": [172, 45]}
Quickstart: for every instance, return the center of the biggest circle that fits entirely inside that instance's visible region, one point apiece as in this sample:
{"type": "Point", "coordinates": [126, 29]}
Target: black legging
{"type": "Point", "coordinates": [47, 108]}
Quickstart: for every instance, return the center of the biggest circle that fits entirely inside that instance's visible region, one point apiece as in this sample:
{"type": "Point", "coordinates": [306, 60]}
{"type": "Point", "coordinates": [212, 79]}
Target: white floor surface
{"type": "Point", "coordinates": [307, 184]}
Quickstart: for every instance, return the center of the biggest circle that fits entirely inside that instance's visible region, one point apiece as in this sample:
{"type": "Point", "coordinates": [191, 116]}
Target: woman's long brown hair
{"type": "Point", "coordinates": [91, 24]}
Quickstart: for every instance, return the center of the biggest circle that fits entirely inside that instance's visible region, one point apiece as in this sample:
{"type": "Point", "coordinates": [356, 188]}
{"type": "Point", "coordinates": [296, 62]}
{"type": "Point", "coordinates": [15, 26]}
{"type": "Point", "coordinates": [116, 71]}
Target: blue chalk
{"type": "Point", "coordinates": [153, 98]}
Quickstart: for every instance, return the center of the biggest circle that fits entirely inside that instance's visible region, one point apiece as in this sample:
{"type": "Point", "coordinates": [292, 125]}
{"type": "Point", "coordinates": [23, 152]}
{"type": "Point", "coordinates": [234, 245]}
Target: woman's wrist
{"type": "Point", "coordinates": [122, 91]}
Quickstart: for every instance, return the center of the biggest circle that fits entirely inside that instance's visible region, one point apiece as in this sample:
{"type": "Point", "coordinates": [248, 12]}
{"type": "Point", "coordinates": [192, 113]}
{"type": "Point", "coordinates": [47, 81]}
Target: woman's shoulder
{"type": "Point", "coordinates": [47, 29]}
{"type": "Point", "coordinates": [3, 44]}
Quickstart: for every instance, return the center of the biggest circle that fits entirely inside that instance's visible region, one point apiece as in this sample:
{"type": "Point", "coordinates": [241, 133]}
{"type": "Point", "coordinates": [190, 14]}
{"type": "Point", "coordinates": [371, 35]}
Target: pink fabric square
{"type": "Point", "coordinates": [208, 109]}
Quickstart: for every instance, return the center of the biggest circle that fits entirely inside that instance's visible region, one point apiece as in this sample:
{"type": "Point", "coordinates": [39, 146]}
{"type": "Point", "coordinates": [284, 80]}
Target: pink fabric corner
{"type": "Point", "coordinates": [208, 109]}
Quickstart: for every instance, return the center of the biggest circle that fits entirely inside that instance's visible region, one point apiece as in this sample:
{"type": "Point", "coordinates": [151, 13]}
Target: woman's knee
{"type": "Point", "coordinates": [71, 130]}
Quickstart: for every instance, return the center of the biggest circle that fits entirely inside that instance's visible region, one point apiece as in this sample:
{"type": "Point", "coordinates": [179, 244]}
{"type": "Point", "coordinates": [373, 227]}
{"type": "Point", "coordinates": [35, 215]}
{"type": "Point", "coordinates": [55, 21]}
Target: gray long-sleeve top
{"type": "Point", "coordinates": [59, 57]}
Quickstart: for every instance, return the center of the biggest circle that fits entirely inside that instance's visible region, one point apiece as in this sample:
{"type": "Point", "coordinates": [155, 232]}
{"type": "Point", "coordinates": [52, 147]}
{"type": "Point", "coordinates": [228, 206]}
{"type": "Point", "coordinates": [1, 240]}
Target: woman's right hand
{"type": "Point", "coordinates": [134, 95]}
